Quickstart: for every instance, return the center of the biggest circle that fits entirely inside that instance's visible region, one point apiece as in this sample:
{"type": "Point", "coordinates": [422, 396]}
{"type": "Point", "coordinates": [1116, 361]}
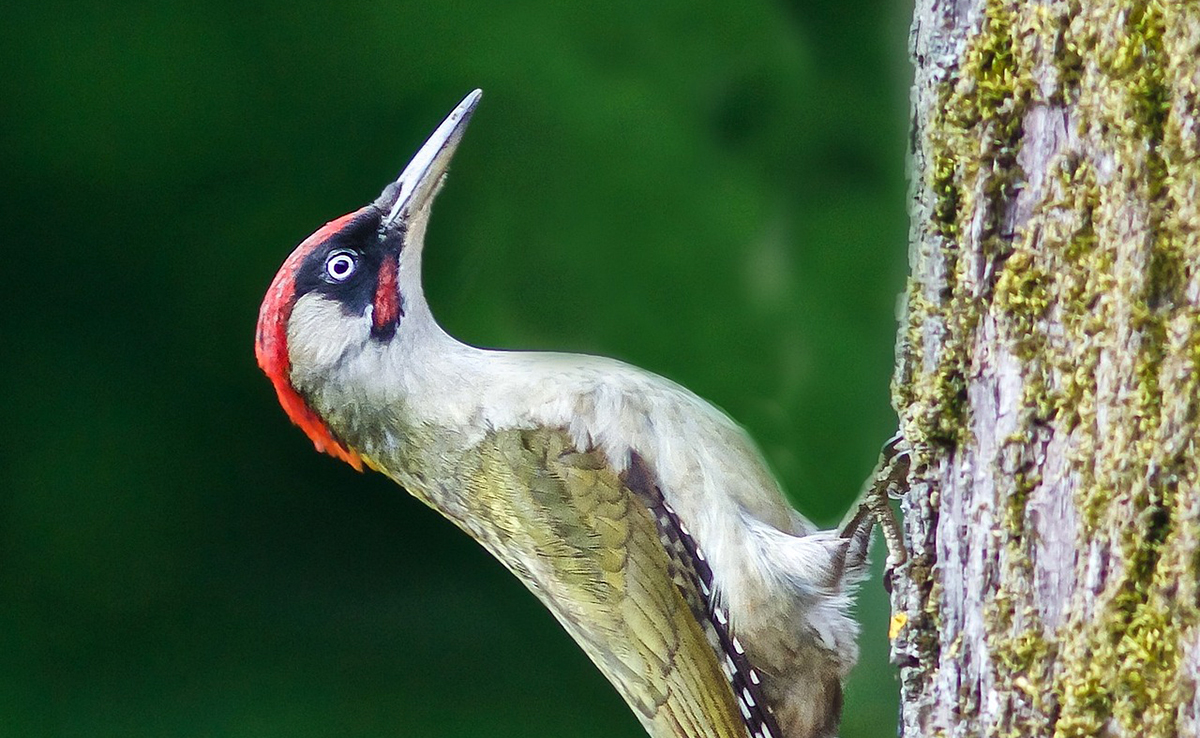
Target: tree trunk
{"type": "Point", "coordinates": [1048, 377]}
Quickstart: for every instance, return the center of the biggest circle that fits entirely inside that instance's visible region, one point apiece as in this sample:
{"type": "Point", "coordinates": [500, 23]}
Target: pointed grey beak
{"type": "Point", "coordinates": [420, 179]}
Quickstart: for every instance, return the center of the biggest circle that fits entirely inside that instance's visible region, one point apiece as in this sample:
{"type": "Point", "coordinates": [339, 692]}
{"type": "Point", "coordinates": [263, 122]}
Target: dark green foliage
{"type": "Point", "coordinates": [713, 193]}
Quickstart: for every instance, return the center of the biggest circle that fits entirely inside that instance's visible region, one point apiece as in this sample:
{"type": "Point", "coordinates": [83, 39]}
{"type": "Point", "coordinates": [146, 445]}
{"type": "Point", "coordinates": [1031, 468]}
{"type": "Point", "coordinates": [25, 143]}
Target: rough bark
{"type": "Point", "coordinates": [1048, 375]}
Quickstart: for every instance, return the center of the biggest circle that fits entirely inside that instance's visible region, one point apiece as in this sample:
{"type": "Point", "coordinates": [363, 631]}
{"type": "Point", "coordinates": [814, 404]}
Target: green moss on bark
{"type": "Point", "coordinates": [1089, 285]}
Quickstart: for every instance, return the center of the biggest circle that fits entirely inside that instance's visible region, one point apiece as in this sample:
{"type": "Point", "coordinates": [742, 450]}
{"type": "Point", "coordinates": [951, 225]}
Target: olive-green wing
{"type": "Point", "coordinates": [568, 525]}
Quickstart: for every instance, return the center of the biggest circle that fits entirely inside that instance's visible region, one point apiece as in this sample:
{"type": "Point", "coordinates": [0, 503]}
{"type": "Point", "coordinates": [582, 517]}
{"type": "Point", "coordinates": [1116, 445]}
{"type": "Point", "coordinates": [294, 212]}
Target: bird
{"type": "Point", "coordinates": [640, 515]}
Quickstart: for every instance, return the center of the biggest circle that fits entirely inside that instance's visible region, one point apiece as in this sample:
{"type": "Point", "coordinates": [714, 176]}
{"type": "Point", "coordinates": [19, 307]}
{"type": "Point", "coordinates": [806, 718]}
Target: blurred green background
{"type": "Point", "coordinates": [711, 191]}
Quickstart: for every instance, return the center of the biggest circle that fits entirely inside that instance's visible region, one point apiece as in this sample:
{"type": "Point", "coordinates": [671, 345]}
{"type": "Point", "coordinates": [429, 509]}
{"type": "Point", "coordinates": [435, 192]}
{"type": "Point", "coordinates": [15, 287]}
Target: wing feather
{"type": "Point", "coordinates": [568, 525]}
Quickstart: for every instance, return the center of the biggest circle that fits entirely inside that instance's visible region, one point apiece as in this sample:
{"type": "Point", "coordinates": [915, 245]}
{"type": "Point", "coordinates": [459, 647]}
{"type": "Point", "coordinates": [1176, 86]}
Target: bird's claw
{"type": "Point", "coordinates": [888, 481]}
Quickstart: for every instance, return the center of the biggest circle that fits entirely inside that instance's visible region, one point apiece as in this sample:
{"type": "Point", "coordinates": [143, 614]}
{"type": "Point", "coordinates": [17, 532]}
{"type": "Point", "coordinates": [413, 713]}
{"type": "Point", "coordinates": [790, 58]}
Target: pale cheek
{"type": "Point", "coordinates": [320, 335]}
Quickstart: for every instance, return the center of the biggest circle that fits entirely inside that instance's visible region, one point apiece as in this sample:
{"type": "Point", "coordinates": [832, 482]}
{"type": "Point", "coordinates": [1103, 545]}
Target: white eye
{"type": "Point", "coordinates": [340, 265]}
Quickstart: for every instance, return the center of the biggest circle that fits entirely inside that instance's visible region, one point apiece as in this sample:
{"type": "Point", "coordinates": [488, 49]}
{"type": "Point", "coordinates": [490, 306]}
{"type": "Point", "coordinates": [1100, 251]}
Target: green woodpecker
{"type": "Point", "coordinates": [640, 515]}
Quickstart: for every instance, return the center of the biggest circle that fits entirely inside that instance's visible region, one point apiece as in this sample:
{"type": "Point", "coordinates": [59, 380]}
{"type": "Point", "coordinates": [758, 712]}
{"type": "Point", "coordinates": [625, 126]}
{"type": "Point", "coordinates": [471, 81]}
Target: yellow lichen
{"type": "Point", "coordinates": [1089, 295]}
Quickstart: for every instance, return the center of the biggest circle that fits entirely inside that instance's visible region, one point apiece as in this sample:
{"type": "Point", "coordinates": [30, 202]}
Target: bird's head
{"type": "Point", "coordinates": [353, 286]}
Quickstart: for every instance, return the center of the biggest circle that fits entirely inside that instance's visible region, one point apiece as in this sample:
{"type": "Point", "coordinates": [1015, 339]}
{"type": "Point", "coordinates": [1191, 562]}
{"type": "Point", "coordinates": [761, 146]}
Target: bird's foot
{"type": "Point", "coordinates": [888, 481]}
